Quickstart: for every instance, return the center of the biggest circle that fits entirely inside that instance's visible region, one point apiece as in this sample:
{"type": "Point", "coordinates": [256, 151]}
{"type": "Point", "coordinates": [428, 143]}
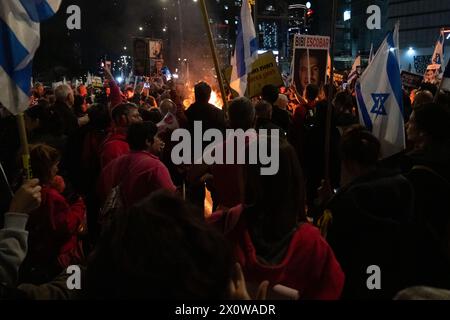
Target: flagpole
{"type": "Point", "coordinates": [25, 146]}
{"type": "Point", "coordinates": [214, 54]}
{"type": "Point", "coordinates": [330, 98]}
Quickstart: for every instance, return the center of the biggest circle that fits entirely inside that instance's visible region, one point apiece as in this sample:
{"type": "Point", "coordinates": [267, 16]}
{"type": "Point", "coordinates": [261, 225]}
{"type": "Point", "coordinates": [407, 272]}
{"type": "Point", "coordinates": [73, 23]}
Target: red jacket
{"type": "Point", "coordinates": [309, 265]}
{"type": "Point", "coordinates": [115, 96]}
{"type": "Point", "coordinates": [53, 231]}
{"type": "Point", "coordinates": [115, 145]}
{"type": "Point", "coordinates": [228, 180]}
{"type": "Point", "coordinates": [139, 174]}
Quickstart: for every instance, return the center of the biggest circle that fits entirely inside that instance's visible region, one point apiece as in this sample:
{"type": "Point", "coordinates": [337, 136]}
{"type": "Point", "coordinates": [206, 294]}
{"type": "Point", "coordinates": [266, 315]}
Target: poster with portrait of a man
{"type": "Point", "coordinates": [310, 61]}
{"type": "Point", "coordinates": [156, 47]}
{"type": "Point", "coordinates": [432, 73]}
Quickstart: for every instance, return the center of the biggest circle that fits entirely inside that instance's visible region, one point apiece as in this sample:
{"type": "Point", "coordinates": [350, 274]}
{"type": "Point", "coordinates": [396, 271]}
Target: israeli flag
{"type": "Point", "coordinates": [246, 50]}
{"type": "Point", "coordinates": [20, 38]}
{"type": "Point", "coordinates": [354, 73]}
{"type": "Point", "coordinates": [380, 99]}
{"type": "Point", "coordinates": [438, 54]}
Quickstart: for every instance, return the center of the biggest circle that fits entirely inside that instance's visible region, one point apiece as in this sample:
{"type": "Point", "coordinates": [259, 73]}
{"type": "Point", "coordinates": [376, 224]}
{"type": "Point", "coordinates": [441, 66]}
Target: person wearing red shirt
{"type": "Point", "coordinates": [140, 172]}
{"type": "Point", "coordinates": [55, 226]}
{"type": "Point", "coordinates": [227, 178]}
{"type": "Point", "coordinates": [271, 237]}
{"type": "Point", "coordinates": [115, 144]}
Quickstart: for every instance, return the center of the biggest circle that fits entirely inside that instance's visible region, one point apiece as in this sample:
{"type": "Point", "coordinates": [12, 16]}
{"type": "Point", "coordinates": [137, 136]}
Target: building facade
{"type": "Point", "coordinates": [420, 24]}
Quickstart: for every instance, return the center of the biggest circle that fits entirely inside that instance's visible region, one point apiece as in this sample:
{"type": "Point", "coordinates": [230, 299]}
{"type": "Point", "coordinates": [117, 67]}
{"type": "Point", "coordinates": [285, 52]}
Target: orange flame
{"type": "Point", "coordinates": [215, 99]}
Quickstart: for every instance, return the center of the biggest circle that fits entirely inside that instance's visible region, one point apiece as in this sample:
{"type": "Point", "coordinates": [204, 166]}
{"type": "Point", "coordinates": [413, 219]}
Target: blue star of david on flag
{"type": "Point", "coordinates": [379, 99]}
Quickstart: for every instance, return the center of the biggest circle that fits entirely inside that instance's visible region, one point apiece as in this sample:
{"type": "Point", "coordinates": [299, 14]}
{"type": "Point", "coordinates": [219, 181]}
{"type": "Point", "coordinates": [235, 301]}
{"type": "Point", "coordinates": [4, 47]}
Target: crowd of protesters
{"type": "Point", "coordinates": [106, 196]}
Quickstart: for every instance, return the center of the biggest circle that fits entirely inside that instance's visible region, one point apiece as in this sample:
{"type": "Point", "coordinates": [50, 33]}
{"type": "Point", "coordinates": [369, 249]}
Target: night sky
{"type": "Point", "coordinates": [107, 26]}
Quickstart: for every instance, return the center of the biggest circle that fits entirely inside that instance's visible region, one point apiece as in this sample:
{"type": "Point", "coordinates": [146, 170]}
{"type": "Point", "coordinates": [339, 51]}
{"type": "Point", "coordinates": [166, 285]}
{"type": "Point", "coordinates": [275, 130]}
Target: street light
{"type": "Point", "coordinates": [140, 28]}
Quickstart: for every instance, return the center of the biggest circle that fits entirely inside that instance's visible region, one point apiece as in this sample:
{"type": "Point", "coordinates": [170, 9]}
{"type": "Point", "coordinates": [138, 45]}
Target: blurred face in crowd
{"type": "Point", "coordinates": [134, 116]}
{"type": "Point", "coordinates": [157, 146]}
{"type": "Point", "coordinates": [129, 94]}
{"type": "Point", "coordinates": [314, 71]}
{"type": "Point", "coordinates": [282, 102]}
{"type": "Point", "coordinates": [430, 76]}
{"type": "Point", "coordinates": [82, 90]}
{"type": "Point", "coordinates": [413, 134]}
{"type": "Point", "coordinates": [40, 90]}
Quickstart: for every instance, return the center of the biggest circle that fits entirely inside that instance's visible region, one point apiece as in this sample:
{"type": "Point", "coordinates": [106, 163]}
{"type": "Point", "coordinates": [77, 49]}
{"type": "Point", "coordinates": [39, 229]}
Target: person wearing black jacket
{"type": "Point", "coordinates": [370, 220]}
{"type": "Point", "coordinates": [201, 110]}
{"type": "Point", "coordinates": [280, 117]}
{"type": "Point", "coordinates": [429, 131]}
{"type": "Point", "coordinates": [210, 117]}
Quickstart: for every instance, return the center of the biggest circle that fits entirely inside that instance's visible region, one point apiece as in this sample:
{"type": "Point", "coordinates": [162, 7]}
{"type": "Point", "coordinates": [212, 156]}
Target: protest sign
{"type": "Point", "coordinates": [264, 71]}
{"type": "Point", "coordinates": [310, 61]}
{"type": "Point", "coordinates": [411, 80]}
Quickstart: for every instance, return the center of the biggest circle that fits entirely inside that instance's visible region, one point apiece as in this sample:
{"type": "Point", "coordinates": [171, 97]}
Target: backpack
{"type": "Point", "coordinates": [112, 204]}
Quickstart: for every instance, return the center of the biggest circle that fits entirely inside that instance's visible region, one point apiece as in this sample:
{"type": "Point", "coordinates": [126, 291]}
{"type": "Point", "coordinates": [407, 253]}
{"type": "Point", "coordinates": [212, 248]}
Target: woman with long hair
{"type": "Point", "coordinates": [271, 237]}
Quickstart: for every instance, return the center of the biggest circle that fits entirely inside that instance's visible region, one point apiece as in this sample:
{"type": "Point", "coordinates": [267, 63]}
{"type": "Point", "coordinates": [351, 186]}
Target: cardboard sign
{"type": "Point", "coordinates": [411, 80]}
{"type": "Point", "coordinates": [310, 61]}
{"type": "Point", "coordinates": [303, 41]}
{"type": "Point", "coordinates": [97, 82]}
{"type": "Point", "coordinates": [264, 71]}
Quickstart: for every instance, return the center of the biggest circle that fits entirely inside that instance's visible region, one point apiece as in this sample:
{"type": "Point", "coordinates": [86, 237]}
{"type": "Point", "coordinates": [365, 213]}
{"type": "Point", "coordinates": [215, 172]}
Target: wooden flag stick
{"type": "Point", "coordinates": [214, 54]}
{"type": "Point", "coordinates": [25, 148]}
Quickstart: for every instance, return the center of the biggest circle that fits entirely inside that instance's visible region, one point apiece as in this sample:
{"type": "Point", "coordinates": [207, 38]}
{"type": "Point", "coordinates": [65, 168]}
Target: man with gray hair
{"type": "Point", "coordinates": [63, 108]}
{"type": "Point", "coordinates": [166, 106]}
{"type": "Point", "coordinates": [241, 114]}
{"type": "Point", "coordinates": [264, 117]}
{"type": "Point", "coordinates": [227, 178]}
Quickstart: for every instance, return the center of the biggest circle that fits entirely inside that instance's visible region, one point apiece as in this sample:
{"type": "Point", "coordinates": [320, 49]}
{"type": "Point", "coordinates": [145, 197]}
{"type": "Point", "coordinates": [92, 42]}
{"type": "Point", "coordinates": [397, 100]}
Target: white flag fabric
{"type": "Point", "coordinates": [438, 54]}
{"type": "Point", "coordinates": [20, 34]}
{"type": "Point", "coordinates": [89, 79]}
{"type": "Point", "coordinates": [371, 54]}
{"type": "Point", "coordinates": [246, 50]}
{"type": "Point", "coordinates": [380, 99]}
{"type": "Point", "coordinates": [354, 73]}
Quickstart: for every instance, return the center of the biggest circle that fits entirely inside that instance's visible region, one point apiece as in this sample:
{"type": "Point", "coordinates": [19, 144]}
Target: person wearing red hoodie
{"type": "Point", "coordinates": [140, 172]}
{"type": "Point", "coordinates": [271, 237]}
{"type": "Point", "coordinates": [55, 226]}
{"type": "Point", "coordinates": [115, 144]}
